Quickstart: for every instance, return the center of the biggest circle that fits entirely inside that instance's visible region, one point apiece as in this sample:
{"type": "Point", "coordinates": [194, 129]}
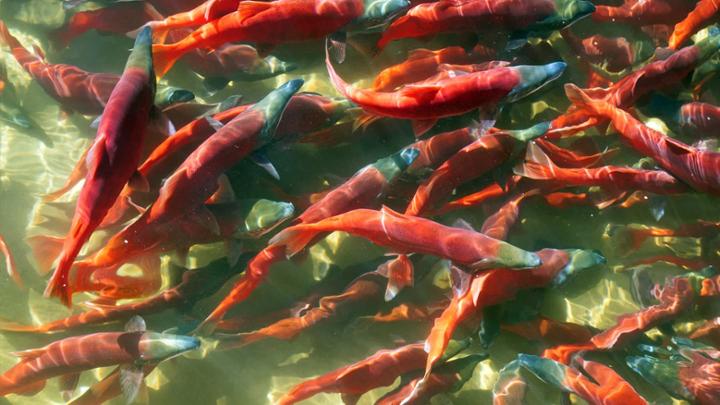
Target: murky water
{"type": "Point", "coordinates": [260, 372]}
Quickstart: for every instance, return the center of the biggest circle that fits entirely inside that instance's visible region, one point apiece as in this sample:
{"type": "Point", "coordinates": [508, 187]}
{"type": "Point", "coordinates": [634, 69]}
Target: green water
{"type": "Point", "coordinates": [261, 372]}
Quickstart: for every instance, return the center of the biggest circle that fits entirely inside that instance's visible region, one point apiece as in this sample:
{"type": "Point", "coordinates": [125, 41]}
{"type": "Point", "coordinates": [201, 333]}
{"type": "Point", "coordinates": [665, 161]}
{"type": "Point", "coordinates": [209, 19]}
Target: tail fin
{"type": "Point", "coordinates": [10, 263]}
{"type": "Point", "coordinates": [7, 38]}
{"type": "Point", "coordinates": [78, 173]}
{"type": "Point", "coordinates": [399, 272]}
{"type": "Point", "coordinates": [586, 103]}
{"type": "Point", "coordinates": [295, 238]}
{"type": "Point", "coordinates": [45, 249]}
{"type": "Point", "coordinates": [537, 165]}
{"type": "Point", "coordinates": [59, 284]}
{"type": "Point", "coordinates": [164, 57]}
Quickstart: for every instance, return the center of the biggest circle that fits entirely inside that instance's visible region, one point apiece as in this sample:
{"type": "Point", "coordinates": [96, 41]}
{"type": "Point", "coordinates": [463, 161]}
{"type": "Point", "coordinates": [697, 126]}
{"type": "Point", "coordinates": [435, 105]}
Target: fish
{"type": "Point", "coordinates": [422, 63]}
{"type": "Point", "coordinates": [483, 290]}
{"type": "Point", "coordinates": [499, 223]}
{"type": "Point", "coordinates": [529, 16]}
{"type": "Point", "coordinates": [361, 190]}
{"type": "Point", "coordinates": [10, 264]}
{"type": "Point", "coordinates": [270, 23]}
{"type": "Point", "coordinates": [194, 286]}
{"type": "Point", "coordinates": [490, 192]}
{"type": "Point", "coordinates": [695, 167]}
{"type": "Point", "coordinates": [695, 119]}
{"type": "Point", "coordinates": [488, 152]}
{"type": "Point", "coordinates": [204, 13]}
{"type": "Point", "coordinates": [13, 113]}
{"type": "Point", "coordinates": [605, 387]}
{"type": "Point", "coordinates": [232, 62]}
{"type": "Point", "coordinates": [112, 159]}
{"type": "Point", "coordinates": [704, 13]}
{"type": "Point", "coordinates": [634, 235]}
{"type": "Point", "coordinates": [643, 13]}
{"type": "Point", "coordinates": [433, 151]}
{"type": "Point", "coordinates": [237, 221]}
{"type": "Point", "coordinates": [538, 166]}
{"type": "Point", "coordinates": [465, 92]}
{"type": "Point", "coordinates": [549, 331]}
{"type": "Point", "coordinates": [133, 349]}
{"type": "Point", "coordinates": [692, 376]}
{"type": "Point", "coordinates": [449, 377]}
{"type": "Point", "coordinates": [116, 18]}
{"type": "Point", "coordinates": [613, 54]}
{"type": "Point", "coordinates": [407, 234]}
{"type": "Point", "coordinates": [378, 370]}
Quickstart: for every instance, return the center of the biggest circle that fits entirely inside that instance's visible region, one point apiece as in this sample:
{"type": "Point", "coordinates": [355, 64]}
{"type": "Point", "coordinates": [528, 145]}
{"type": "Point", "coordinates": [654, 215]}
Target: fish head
{"type": "Point", "coordinates": [379, 12]}
{"type": "Point", "coordinates": [173, 95]}
{"type": "Point", "coordinates": [338, 108]}
{"type": "Point", "coordinates": [263, 216]}
{"type": "Point", "coordinates": [272, 107]}
{"type": "Point", "coordinates": [528, 134]}
{"type": "Point", "coordinates": [709, 45]}
{"type": "Point", "coordinates": [395, 164]}
{"type": "Point", "coordinates": [578, 260]}
{"type": "Point", "coordinates": [141, 56]}
{"type": "Point", "coordinates": [545, 369]}
{"type": "Point", "coordinates": [567, 12]}
{"type": "Point", "coordinates": [154, 347]}
{"type": "Point", "coordinates": [663, 373]}
{"type": "Point", "coordinates": [534, 77]}
{"type": "Point", "coordinates": [269, 67]}
{"type": "Point", "coordinates": [511, 256]}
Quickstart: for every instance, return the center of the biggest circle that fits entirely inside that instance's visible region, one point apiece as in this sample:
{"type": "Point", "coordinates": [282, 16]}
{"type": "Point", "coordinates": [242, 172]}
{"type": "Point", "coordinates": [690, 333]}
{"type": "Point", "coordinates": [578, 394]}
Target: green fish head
{"type": "Point", "coordinates": [534, 77]}
{"type": "Point", "coordinates": [273, 105]}
{"type": "Point", "coordinates": [513, 257]}
{"type": "Point", "coordinates": [154, 347]}
{"type": "Point", "coordinates": [275, 66]}
{"type": "Point", "coordinates": [547, 370]}
{"type": "Point", "coordinates": [528, 134]}
{"type": "Point", "coordinates": [660, 372]}
{"type": "Point", "coordinates": [709, 45]}
{"type": "Point", "coordinates": [567, 12]}
{"type": "Point", "coordinates": [263, 216]}
{"type": "Point", "coordinates": [393, 165]}
{"type": "Point", "coordinates": [578, 261]}
{"type": "Point", "coordinates": [172, 95]}
{"type": "Point", "coordinates": [141, 55]}
{"type": "Point", "coordinates": [378, 12]}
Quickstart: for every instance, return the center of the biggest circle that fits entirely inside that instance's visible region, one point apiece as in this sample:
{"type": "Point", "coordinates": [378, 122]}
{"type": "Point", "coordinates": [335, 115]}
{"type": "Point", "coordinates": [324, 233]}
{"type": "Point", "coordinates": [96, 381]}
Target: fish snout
{"type": "Point", "coordinates": [162, 346]}
{"type": "Point", "coordinates": [534, 77]}
{"type": "Point", "coordinates": [571, 11]}
{"type": "Point", "coordinates": [273, 106]}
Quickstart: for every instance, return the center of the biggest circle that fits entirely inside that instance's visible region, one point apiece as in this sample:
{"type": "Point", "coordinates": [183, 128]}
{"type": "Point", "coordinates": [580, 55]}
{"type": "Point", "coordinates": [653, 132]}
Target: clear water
{"type": "Point", "coordinates": [259, 373]}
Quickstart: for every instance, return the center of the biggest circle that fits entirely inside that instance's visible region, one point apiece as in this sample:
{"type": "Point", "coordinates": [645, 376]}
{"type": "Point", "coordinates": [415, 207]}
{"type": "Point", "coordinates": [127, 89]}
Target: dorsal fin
{"type": "Point", "coordinates": [420, 53]}
{"type": "Point", "coordinates": [677, 147]}
{"type": "Point", "coordinates": [247, 9]}
{"type": "Point", "coordinates": [135, 324]}
{"type": "Point", "coordinates": [30, 353]}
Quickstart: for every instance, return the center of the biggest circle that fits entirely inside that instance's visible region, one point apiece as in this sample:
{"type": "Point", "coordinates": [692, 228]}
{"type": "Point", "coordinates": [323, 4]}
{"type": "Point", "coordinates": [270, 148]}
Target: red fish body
{"type": "Point", "coordinates": [265, 23]}
{"type": "Point", "coordinates": [704, 13]}
{"type": "Point", "coordinates": [117, 18]}
{"type": "Point", "coordinates": [439, 148]}
{"type": "Point", "coordinates": [423, 63]}
{"type": "Point", "coordinates": [702, 118]}
{"type": "Point", "coordinates": [470, 15]}
{"type": "Point", "coordinates": [404, 234]}
{"type": "Point", "coordinates": [112, 159]}
{"type": "Point", "coordinates": [643, 12]}
{"type": "Point", "coordinates": [698, 168]}
{"type": "Point", "coordinates": [539, 167]}
{"type": "Point", "coordinates": [615, 53]}
{"type": "Point", "coordinates": [79, 353]}
{"type": "Point", "coordinates": [380, 369]}
{"type": "Point", "coordinates": [72, 87]}
{"type": "Point", "coordinates": [204, 13]}
{"type": "Point", "coordinates": [471, 162]}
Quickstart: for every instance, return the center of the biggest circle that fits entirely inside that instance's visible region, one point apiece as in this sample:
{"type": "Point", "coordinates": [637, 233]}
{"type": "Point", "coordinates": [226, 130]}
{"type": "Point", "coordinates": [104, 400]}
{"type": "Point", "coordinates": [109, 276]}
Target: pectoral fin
{"type": "Point", "coordinates": [131, 378]}
{"type": "Point", "coordinates": [261, 160]}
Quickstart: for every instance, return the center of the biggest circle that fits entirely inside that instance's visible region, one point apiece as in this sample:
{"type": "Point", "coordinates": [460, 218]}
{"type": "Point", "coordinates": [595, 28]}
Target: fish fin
{"type": "Point", "coordinates": [451, 70]}
{"type": "Point", "coordinates": [247, 9]}
{"type": "Point", "coordinates": [45, 249]}
{"type": "Point", "coordinates": [460, 281]}
{"type": "Point", "coordinates": [364, 120]}
{"type": "Point", "coordinates": [131, 378]}
{"type": "Point", "coordinates": [95, 123]}
{"type": "Point", "coordinates": [657, 206]}
{"type": "Point", "coordinates": [261, 160]}
{"type": "Point", "coordinates": [585, 102]}
{"type": "Point", "coordinates": [463, 224]}
{"type": "Point", "coordinates": [30, 353]}
{"type": "Point", "coordinates": [68, 384]}
{"type": "Point", "coordinates": [294, 238]}
{"type": "Point", "coordinates": [205, 218]}
{"type": "Point", "coordinates": [213, 10]}
{"type": "Point", "coordinates": [214, 84]}
{"type": "Point", "coordinates": [135, 324]}
{"type": "Point", "coordinates": [224, 192]}
{"type": "Point", "coordinates": [481, 128]}
{"type": "Point", "coordinates": [422, 126]}
{"type": "Point", "coordinates": [233, 250]}
{"type": "Point", "coordinates": [338, 46]}
{"type": "Point", "coordinates": [420, 53]}
{"type": "Point", "coordinates": [31, 389]}
{"type": "Point", "coordinates": [138, 182]}
{"type": "Point", "coordinates": [77, 175]}
{"type": "Point", "coordinates": [214, 123]}
{"type": "Point", "coordinates": [677, 147]}
{"type": "Point", "coordinates": [39, 52]}
{"type": "Point", "coordinates": [537, 166]}
{"type": "Point", "coordinates": [399, 272]}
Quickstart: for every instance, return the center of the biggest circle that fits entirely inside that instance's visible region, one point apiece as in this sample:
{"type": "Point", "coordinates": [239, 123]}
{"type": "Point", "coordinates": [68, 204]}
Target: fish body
{"type": "Point", "coordinates": [204, 13]}
{"type": "Point", "coordinates": [704, 14]}
{"type": "Point", "coordinates": [471, 15]}
{"type": "Point", "coordinates": [437, 149]}
{"type": "Point", "coordinates": [644, 12]}
{"type": "Point", "coordinates": [112, 159]}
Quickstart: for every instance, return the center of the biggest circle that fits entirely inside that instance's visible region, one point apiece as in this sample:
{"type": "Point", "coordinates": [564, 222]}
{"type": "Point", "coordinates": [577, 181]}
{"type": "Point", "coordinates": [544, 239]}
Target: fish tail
{"type": "Point", "coordinates": [59, 284]}
{"type": "Point", "coordinates": [295, 238]}
{"type": "Point", "coordinates": [340, 85]}
{"type": "Point", "coordinates": [7, 38]}
{"type": "Point", "coordinates": [537, 165]}
{"type": "Point", "coordinates": [10, 326]}
{"type": "Point", "coordinates": [582, 100]}
{"type": "Point", "coordinates": [45, 249]}
{"type": "Point", "coordinates": [239, 293]}
{"type": "Point", "coordinates": [10, 263]}
{"type": "Point", "coordinates": [164, 57]}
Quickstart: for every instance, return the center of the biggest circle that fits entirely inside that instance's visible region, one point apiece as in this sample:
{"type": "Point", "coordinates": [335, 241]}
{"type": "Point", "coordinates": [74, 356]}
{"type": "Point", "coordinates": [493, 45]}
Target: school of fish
{"type": "Point", "coordinates": [492, 115]}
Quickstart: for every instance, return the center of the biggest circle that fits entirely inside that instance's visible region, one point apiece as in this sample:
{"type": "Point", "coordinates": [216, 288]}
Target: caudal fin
{"type": "Point", "coordinates": [295, 238]}
{"type": "Point", "coordinates": [164, 57]}
{"type": "Point", "coordinates": [583, 101]}
{"type": "Point", "coordinates": [10, 265]}
{"type": "Point", "coordinates": [537, 165]}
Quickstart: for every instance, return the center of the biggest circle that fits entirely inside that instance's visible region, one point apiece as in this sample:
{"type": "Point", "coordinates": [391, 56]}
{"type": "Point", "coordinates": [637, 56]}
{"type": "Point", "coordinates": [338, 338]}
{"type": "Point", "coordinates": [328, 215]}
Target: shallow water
{"type": "Point", "coordinates": [259, 373]}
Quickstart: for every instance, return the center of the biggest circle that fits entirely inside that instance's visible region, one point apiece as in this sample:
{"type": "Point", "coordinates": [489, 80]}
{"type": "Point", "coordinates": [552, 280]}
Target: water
{"type": "Point", "coordinates": [261, 372]}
